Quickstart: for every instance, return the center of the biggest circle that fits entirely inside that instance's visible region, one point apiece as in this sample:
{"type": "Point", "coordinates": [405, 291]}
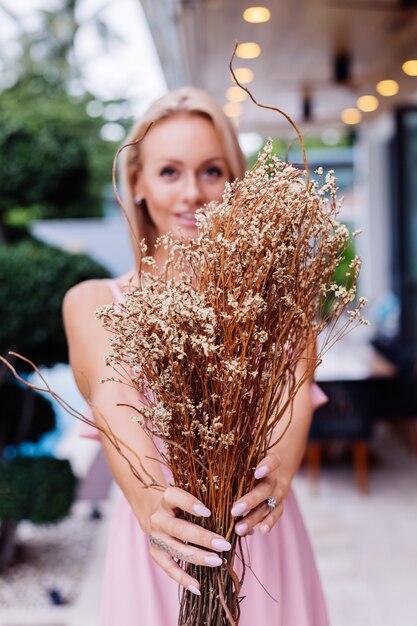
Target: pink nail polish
{"type": "Point", "coordinates": [264, 529]}
{"type": "Point", "coordinates": [221, 544]}
{"type": "Point", "coordinates": [194, 590]}
{"type": "Point", "coordinates": [241, 529]}
{"type": "Point", "coordinates": [213, 561]}
{"type": "Point", "coordinates": [239, 509]}
{"type": "Point", "coordinates": [202, 510]}
{"type": "Point", "coordinates": [261, 471]}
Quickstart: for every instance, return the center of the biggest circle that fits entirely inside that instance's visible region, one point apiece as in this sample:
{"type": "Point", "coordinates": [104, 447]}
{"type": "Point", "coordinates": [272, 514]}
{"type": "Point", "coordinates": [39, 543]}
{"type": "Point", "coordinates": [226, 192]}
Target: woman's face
{"type": "Point", "coordinates": [183, 167]}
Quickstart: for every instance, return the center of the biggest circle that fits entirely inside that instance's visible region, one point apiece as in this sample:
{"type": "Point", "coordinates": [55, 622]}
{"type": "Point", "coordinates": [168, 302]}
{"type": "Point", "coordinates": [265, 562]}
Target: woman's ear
{"type": "Point", "coordinates": [137, 191]}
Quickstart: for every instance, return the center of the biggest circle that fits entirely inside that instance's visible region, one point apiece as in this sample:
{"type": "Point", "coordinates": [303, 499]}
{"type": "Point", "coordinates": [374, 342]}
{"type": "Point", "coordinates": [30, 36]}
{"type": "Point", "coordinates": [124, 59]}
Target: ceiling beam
{"type": "Point", "coordinates": [165, 20]}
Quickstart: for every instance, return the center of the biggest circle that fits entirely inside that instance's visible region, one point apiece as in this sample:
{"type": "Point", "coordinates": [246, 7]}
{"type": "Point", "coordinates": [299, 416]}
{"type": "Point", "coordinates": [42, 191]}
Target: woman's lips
{"type": "Point", "coordinates": [186, 219]}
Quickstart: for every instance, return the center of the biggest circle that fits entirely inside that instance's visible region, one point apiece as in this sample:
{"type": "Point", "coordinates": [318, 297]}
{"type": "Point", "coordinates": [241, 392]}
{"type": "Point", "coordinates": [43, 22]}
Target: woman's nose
{"type": "Point", "coordinates": [192, 192]}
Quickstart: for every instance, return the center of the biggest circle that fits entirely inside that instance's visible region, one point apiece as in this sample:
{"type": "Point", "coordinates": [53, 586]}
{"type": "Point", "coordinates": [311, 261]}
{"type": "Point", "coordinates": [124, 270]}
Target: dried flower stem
{"type": "Point", "coordinates": [216, 342]}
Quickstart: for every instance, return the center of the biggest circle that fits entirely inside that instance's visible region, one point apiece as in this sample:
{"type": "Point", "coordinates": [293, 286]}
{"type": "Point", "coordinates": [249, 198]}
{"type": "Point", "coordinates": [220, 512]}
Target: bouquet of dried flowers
{"type": "Point", "coordinates": [212, 343]}
{"type": "Point", "coordinates": [213, 340]}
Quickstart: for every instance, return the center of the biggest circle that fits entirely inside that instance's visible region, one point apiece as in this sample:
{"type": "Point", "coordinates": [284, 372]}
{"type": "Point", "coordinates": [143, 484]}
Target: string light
{"type": "Point", "coordinates": [367, 103]}
{"type": "Point", "coordinates": [351, 116]}
{"type": "Point", "coordinates": [387, 87]}
{"type": "Point", "coordinates": [233, 109]}
{"type": "Point", "coordinates": [236, 94]}
{"type": "Point", "coordinates": [244, 75]}
{"type": "Point", "coordinates": [248, 50]}
{"type": "Point", "coordinates": [256, 15]}
{"type": "Point", "coordinates": [410, 67]}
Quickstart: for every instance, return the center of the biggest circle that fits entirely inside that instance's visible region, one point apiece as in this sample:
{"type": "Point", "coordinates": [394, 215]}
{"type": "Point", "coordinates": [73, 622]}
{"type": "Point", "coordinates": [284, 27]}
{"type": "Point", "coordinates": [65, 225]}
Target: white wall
{"type": "Point", "coordinates": [373, 178]}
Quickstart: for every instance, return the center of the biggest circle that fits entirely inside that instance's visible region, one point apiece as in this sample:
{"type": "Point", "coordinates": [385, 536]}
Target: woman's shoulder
{"type": "Point", "coordinates": [88, 294]}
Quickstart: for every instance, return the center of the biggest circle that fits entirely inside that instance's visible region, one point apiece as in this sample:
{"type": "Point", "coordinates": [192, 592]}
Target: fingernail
{"type": "Point", "coordinates": [251, 532]}
{"type": "Point", "coordinates": [239, 509]}
{"type": "Point", "coordinates": [261, 471]}
{"type": "Point", "coordinates": [264, 529]}
{"type": "Point", "coordinates": [241, 529]}
{"type": "Point", "coordinates": [202, 510]}
{"type": "Point", "coordinates": [221, 544]}
{"type": "Point", "coordinates": [214, 561]}
{"type": "Point", "coordinates": [194, 590]}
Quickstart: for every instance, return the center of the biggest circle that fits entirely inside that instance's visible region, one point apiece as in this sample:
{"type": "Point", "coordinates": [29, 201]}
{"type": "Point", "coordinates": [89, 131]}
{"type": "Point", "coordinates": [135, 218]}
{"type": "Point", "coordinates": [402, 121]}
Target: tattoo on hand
{"type": "Point", "coordinates": [172, 552]}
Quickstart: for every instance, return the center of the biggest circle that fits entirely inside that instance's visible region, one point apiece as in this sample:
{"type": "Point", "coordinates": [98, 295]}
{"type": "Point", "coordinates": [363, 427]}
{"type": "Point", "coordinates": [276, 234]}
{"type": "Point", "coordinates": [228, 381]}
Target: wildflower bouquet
{"type": "Point", "coordinates": [213, 340]}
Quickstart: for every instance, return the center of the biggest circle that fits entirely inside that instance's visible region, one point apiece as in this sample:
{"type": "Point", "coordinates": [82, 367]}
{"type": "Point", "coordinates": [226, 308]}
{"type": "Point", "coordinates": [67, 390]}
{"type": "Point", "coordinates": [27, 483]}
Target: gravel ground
{"type": "Point", "coordinates": [52, 557]}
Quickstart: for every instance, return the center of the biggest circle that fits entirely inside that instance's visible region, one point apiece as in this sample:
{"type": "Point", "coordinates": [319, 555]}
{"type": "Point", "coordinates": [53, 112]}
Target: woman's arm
{"type": "Point", "coordinates": [88, 343]}
{"type": "Point", "coordinates": [155, 511]}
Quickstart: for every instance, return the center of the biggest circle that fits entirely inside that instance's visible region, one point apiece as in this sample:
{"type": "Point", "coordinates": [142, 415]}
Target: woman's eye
{"type": "Point", "coordinates": [168, 171]}
{"type": "Point", "coordinates": [214, 171]}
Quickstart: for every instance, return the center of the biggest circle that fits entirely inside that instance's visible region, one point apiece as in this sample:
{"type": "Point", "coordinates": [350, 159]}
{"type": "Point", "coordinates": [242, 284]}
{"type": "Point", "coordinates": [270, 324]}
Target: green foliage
{"type": "Point", "coordinates": [20, 216]}
{"type": "Point", "coordinates": [25, 415]}
{"type": "Point", "coordinates": [285, 149]}
{"type": "Point", "coordinates": [41, 116]}
{"type": "Point", "coordinates": [340, 275]}
{"type": "Point", "coordinates": [47, 49]}
{"type": "Point", "coordinates": [40, 490]}
{"type": "Point", "coordinates": [51, 154]}
{"type": "Point", "coordinates": [34, 278]}
{"type": "Point", "coordinates": [42, 165]}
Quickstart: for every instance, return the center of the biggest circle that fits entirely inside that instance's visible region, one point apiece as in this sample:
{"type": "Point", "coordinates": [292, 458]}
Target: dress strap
{"type": "Point", "coordinates": [116, 291]}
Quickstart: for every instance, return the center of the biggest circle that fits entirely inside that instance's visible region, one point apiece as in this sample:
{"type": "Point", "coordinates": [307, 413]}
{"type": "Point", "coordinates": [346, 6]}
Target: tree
{"type": "Point", "coordinates": [54, 161]}
{"type": "Point", "coordinates": [49, 51]}
{"type": "Point", "coordinates": [33, 280]}
{"type": "Point", "coordinates": [52, 157]}
{"type": "Point", "coordinates": [42, 165]}
{"type": "Point", "coordinates": [26, 416]}
{"type": "Point", "coordinates": [40, 490]}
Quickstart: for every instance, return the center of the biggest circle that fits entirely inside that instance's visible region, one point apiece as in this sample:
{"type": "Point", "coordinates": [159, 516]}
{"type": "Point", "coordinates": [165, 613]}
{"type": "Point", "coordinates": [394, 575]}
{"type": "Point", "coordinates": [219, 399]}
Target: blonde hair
{"type": "Point", "coordinates": [185, 100]}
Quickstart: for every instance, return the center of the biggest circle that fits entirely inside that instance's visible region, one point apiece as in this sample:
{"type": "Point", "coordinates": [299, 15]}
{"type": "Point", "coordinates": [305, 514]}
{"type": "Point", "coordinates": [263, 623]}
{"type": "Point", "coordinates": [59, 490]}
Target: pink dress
{"type": "Point", "coordinates": [138, 593]}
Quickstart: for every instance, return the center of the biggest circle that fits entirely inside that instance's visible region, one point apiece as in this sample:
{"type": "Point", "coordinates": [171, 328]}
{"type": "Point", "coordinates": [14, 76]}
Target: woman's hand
{"type": "Point", "coordinates": [254, 505]}
{"type": "Point", "coordinates": [170, 537]}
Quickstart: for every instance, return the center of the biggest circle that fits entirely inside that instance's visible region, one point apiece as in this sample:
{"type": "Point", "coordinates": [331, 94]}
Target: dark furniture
{"type": "Point", "coordinates": [353, 408]}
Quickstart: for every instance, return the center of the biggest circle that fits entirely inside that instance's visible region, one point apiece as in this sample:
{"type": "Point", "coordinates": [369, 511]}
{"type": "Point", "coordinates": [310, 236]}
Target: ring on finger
{"type": "Point", "coordinates": [271, 504]}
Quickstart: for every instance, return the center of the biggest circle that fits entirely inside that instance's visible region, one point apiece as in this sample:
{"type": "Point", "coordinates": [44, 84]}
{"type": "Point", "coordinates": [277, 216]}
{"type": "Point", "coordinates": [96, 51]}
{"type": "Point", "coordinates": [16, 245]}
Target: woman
{"type": "Point", "coordinates": [183, 162]}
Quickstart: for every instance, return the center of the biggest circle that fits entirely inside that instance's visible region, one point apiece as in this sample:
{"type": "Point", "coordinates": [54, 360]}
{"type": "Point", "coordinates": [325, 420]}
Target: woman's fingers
{"type": "Point", "coordinates": [271, 519]}
{"type": "Point", "coordinates": [182, 551]}
{"type": "Point", "coordinates": [192, 533]}
{"type": "Point", "coordinates": [253, 498]}
{"type": "Point", "coordinates": [174, 497]}
{"type": "Point", "coordinates": [174, 571]}
{"type": "Point", "coordinates": [263, 489]}
{"type": "Point", "coordinates": [167, 522]}
{"type": "Point", "coordinates": [260, 515]}
{"type": "Point", "coordinates": [268, 464]}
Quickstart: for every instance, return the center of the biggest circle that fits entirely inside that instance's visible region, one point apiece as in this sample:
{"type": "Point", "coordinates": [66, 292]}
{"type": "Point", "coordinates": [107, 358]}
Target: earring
{"type": "Point", "coordinates": [138, 200]}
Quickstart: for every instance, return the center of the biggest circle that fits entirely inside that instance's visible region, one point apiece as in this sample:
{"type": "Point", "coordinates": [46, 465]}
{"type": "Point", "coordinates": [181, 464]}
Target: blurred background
{"type": "Point", "coordinates": [74, 74]}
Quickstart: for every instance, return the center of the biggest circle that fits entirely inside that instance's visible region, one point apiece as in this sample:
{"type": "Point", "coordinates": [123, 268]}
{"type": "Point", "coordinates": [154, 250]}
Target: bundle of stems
{"type": "Point", "coordinates": [214, 340]}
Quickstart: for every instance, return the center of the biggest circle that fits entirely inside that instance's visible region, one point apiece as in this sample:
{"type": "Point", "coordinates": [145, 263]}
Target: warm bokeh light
{"type": "Point", "coordinates": [243, 74]}
{"type": "Point", "coordinates": [248, 50]}
{"type": "Point", "coordinates": [236, 94]}
{"type": "Point", "coordinates": [256, 15]}
{"type": "Point", "coordinates": [410, 67]}
{"type": "Point", "coordinates": [233, 109]}
{"type": "Point", "coordinates": [351, 116]}
{"type": "Point", "coordinates": [387, 87]}
{"type": "Point", "coordinates": [367, 103]}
